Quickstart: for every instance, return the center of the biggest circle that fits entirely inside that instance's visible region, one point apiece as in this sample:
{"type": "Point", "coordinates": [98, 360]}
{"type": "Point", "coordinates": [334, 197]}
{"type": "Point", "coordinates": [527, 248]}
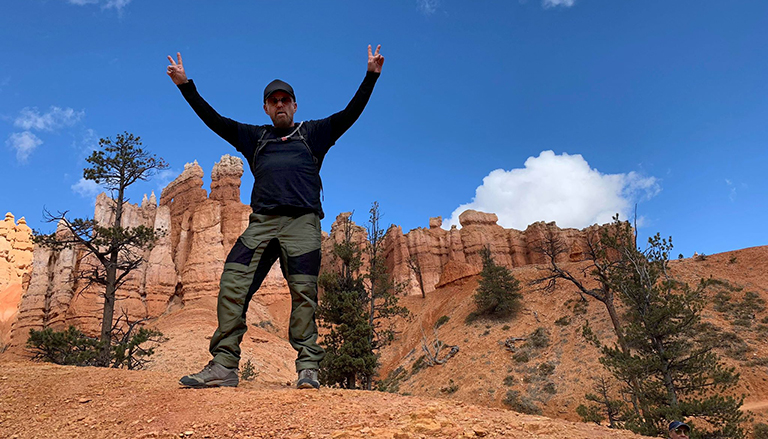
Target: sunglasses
{"type": "Point", "coordinates": [286, 100]}
{"type": "Point", "coordinates": [681, 430]}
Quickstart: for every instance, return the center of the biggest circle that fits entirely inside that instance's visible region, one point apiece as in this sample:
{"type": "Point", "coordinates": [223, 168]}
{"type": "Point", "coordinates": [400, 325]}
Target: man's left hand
{"type": "Point", "coordinates": [375, 60]}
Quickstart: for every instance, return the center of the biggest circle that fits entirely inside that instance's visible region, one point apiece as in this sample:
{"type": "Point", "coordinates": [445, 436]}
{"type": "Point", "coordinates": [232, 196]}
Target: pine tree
{"type": "Point", "coordinates": [661, 355]}
{"type": "Point", "coordinates": [117, 250]}
{"type": "Point", "coordinates": [498, 293]}
{"type": "Point", "coordinates": [349, 357]}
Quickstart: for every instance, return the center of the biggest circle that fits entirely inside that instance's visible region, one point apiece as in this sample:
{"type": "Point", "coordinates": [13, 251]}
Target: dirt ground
{"type": "Point", "coordinates": [465, 397]}
{"type": "Point", "coordinates": [48, 401]}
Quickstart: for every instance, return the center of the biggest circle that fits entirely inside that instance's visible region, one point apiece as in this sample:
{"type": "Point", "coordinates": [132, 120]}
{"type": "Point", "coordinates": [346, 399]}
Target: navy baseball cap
{"type": "Point", "coordinates": [674, 425]}
{"type": "Point", "coordinates": [278, 85]}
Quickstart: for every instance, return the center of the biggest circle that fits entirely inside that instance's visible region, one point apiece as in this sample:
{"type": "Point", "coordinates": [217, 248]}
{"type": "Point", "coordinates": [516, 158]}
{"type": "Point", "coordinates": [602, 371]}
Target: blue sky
{"type": "Point", "coordinates": [555, 110]}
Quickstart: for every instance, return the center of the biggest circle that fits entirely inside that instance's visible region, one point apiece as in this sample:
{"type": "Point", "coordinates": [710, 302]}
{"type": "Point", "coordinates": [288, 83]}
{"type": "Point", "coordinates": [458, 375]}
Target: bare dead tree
{"type": "Point", "coordinates": [432, 349]}
{"type": "Point", "coordinates": [415, 266]}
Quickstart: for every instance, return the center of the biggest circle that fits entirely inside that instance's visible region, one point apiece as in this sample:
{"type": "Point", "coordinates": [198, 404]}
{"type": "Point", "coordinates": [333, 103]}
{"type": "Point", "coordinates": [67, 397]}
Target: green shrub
{"type": "Point", "coordinates": [441, 321]}
{"type": "Point", "coordinates": [580, 307]}
{"type": "Point", "coordinates": [760, 431]}
{"type": "Point", "coordinates": [498, 293]}
{"type": "Point", "coordinates": [70, 347]}
{"type": "Point", "coordinates": [563, 321]}
{"type": "Point", "coordinates": [73, 347]}
{"type": "Point", "coordinates": [450, 388]}
{"type": "Point", "coordinates": [521, 356]}
{"type": "Point", "coordinates": [539, 338]}
{"type": "Point", "coordinates": [419, 364]}
{"type": "Point", "coordinates": [521, 404]}
{"type": "Point", "coordinates": [549, 388]}
{"type": "Point", "coordinates": [505, 328]}
{"type": "Point", "coordinates": [248, 371]}
{"type": "Point", "coordinates": [546, 369]}
{"type": "Point", "coordinates": [509, 380]}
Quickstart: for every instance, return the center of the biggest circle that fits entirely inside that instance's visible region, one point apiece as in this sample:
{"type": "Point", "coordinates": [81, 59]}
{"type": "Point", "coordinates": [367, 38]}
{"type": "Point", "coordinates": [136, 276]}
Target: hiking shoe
{"type": "Point", "coordinates": [308, 379]}
{"type": "Point", "coordinates": [212, 375]}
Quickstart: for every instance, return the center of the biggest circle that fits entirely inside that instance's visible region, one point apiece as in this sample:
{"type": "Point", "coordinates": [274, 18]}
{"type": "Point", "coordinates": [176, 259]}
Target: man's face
{"type": "Point", "coordinates": [679, 433]}
{"type": "Point", "coordinates": [280, 107]}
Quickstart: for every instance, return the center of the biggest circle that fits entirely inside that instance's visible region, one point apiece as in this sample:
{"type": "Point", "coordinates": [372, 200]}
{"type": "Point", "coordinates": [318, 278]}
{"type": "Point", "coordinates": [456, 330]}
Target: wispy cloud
{"type": "Point", "coordinates": [87, 188]}
{"type": "Point", "coordinates": [163, 178]}
{"type": "Point", "coordinates": [732, 190]}
{"type": "Point", "coordinates": [428, 7]}
{"type": "Point", "coordinates": [55, 118]}
{"type": "Point", "coordinates": [24, 143]}
{"type": "Point", "coordinates": [554, 3]}
{"type": "Point", "coordinates": [118, 5]}
{"type": "Point", "coordinates": [561, 188]}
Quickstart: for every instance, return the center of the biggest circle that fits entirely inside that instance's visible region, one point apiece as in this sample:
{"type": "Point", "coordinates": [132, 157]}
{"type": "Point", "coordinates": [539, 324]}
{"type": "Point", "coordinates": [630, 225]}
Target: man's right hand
{"type": "Point", "coordinates": [176, 70]}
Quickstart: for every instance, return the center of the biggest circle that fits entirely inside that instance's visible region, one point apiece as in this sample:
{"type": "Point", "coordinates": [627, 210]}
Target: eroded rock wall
{"type": "Point", "coordinates": [198, 230]}
{"type": "Point", "coordinates": [182, 269]}
{"type": "Point", "coordinates": [15, 269]}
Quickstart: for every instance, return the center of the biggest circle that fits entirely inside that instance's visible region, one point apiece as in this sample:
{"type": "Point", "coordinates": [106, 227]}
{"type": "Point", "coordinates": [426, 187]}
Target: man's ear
{"type": "Point", "coordinates": [265, 109]}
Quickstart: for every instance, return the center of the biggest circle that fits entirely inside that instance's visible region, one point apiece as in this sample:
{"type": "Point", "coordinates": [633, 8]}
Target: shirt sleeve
{"type": "Point", "coordinates": [226, 128]}
{"type": "Point", "coordinates": [341, 121]}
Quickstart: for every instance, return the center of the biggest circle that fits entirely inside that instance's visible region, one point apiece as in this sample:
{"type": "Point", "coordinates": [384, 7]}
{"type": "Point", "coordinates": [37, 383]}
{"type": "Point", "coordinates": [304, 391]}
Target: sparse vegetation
{"type": "Point", "coordinates": [419, 364]}
{"type": "Point", "coordinates": [546, 369]}
{"type": "Point", "coordinates": [520, 403]}
{"type": "Point", "coordinates": [248, 372]}
{"type": "Point", "coordinates": [539, 338]}
{"type": "Point", "coordinates": [563, 321]}
{"type": "Point", "coordinates": [441, 321]}
{"type": "Point", "coordinates": [760, 431]}
{"type": "Point", "coordinates": [392, 382]}
{"type": "Point", "coordinates": [509, 380]}
{"type": "Point", "coordinates": [549, 387]}
{"type": "Point", "coordinates": [450, 388]}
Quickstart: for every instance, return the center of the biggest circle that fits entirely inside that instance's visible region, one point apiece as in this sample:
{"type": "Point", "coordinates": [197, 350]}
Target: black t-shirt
{"type": "Point", "coordinates": [286, 176]}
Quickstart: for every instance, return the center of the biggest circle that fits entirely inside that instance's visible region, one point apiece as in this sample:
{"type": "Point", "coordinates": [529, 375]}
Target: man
{"type": "Point", "coordinates": [678, 430]}
{"type": "Point", "coordinates": [285, 159]}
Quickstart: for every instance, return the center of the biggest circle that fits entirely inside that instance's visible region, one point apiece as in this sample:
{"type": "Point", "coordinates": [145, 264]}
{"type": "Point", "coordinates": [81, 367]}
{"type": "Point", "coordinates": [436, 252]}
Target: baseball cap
{"type": "Point", "coordinates": [674, 425]}
{"type": "Point", "coordinates": [278, 85]}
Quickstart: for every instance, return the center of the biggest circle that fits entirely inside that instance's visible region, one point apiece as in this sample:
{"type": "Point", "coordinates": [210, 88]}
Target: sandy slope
{"type": "Point", "coordinates": [47, 401]}
{"type": "Point", "coordinates": [42, 401]}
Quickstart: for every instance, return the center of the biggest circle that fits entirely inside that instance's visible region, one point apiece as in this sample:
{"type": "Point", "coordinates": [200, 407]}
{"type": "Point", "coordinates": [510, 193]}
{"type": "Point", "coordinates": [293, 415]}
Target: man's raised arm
{"type": "Point", "coordinates": [226, 128]}
{"type": "Point", "coordinates": [341, 121]}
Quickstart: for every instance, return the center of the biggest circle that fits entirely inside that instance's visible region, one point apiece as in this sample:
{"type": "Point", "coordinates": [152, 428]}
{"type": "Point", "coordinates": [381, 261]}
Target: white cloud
{"type": "Point", "coordinates": [105, 4]}
{"type": "Point", "coordinates": [561, 188]}
{"type": "Point", "coordinates": [553, 3]}
{"type": "Point", "coordinates": [56, 117]}
{"type": "Point", "coordinates": [86, 188]}
{"type": "Point", "coordinates": [428, 7]}
{"type": "Point", "coordinates": [24, 143]}
{"type": "Point", "coordinates": [732, 191]}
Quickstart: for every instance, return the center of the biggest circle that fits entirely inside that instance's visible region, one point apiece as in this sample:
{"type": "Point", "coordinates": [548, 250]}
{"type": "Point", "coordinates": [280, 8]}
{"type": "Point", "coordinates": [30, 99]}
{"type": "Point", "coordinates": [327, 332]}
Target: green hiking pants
{"type": "Point", "coordinates": [296, 241]}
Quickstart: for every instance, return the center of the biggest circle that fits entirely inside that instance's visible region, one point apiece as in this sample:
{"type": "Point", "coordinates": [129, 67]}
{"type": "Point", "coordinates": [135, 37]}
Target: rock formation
{"type": "Point", "coordinates": [15, 269]}
{"type": "Point", "coordinates": [182, 269]}
{"type": "Point", "coordinates": [198, 230]}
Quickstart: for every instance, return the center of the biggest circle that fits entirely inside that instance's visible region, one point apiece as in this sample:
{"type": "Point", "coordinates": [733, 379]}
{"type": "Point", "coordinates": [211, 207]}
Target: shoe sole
{"type": "Point", "coordinates": [215, 383]}
{"type": "Point", "coordinates": [307, 385]}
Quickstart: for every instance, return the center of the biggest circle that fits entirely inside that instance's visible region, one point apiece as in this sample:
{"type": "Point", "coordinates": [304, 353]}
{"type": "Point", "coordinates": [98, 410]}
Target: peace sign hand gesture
{"type": "Point", "coordinates": [176, 71]}
{"type": "Point", "coordinates": [375, 61]}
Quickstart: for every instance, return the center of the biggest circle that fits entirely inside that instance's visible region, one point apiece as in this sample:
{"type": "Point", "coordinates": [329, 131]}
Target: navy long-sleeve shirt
{"type": "Point", "coordinates": [286, 176]}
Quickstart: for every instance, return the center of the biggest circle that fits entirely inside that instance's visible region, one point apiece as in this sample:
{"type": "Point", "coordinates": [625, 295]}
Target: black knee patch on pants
{"type": "Point", "coordinates": [240, 254]}
{"type": "Point", "coordinates": [308, 263]}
